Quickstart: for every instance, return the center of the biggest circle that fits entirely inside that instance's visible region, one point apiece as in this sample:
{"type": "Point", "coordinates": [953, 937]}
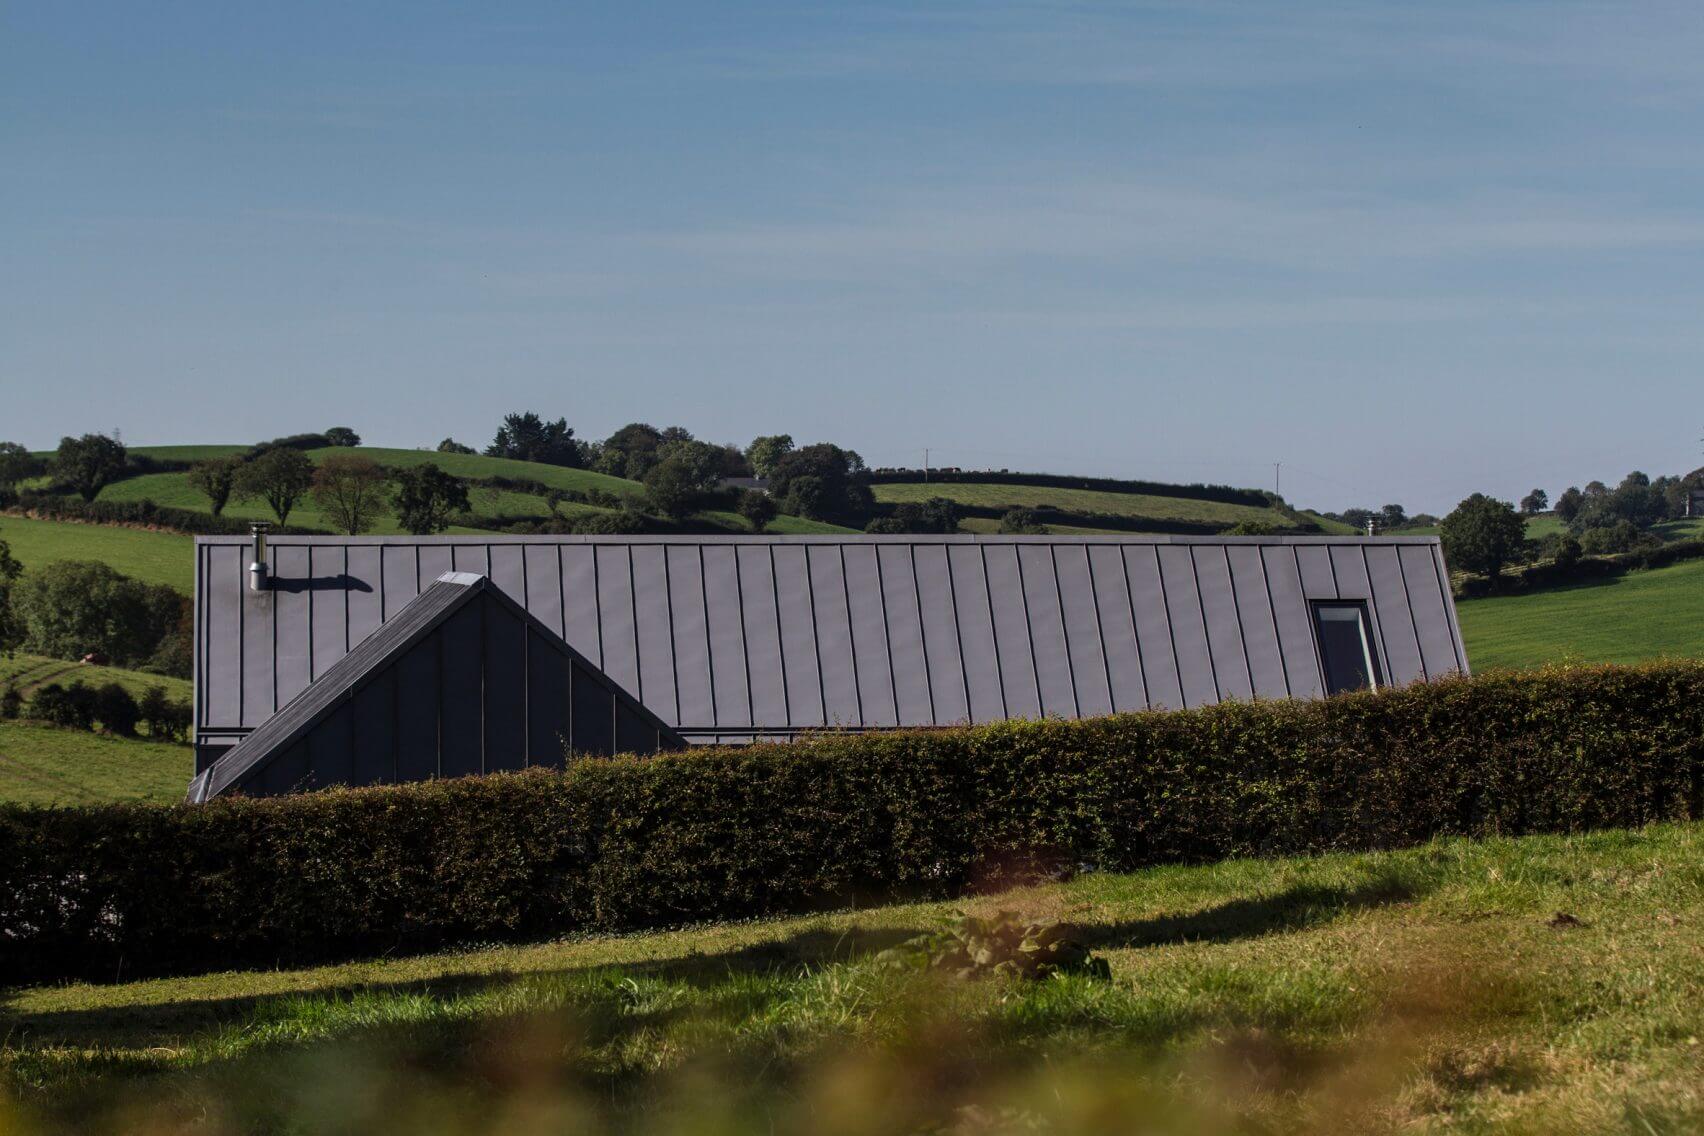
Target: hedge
{"type": "Point", "coordinates": [630, 843]}
{"type": "Point", "coordinates": [47, 507]}
{"type": "Point", "coordinates": [1228, 494]}
{"type": "Point", "coordinates": [1550, 574]}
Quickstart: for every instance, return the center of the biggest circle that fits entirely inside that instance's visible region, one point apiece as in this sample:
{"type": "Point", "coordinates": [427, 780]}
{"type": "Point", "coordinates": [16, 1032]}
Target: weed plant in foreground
{"type": "Point", "coordinates": [1548, 984]}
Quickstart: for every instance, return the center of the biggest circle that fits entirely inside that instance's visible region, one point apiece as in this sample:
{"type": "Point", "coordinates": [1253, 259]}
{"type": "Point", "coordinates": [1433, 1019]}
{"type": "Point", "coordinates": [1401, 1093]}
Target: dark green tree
{"type": "Point", "coordinates": [1568, 504]}
{"type": "Point", "coordinates": [1020, 520]}
{"type": "Point", "coordinates": [426, 498]}
{"type": "Point", "coordinates": [90, 463]}
{"type": "Point", "coordinates": [1535, 502]}
{"type": "Point", "coordinates": [17, 464]}
{"type": "Point", "coordinates": [70, 608]}
{"type": "Point", "coordinates": [527, 437]}
{"type": "Point", "coordinates": [451, 446]}
{"type": "Point", "coordinates": [630, 452]}
{"type": "Point", "coordinates": [349, 490]}
{"type": "Point", "coordinates": [823, 482]}
{"type": "Point", "coordinates": [1482, 535]}
{"type": "Point", "coordinates": [765, 451]}
{"type": "Point", "coordinates": [215, 479]}
{"type": "Point", "coordinates": [281, 477]}
{"type": "Point", "coordinates": [342, 436]}
{"type": "Point", "coordinates": [758, 509]}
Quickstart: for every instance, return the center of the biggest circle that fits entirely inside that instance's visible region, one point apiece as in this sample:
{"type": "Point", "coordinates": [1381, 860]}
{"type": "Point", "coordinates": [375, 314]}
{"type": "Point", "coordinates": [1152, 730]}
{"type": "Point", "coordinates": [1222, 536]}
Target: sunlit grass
{"type": "Point", "coordinates": [1430, 989]}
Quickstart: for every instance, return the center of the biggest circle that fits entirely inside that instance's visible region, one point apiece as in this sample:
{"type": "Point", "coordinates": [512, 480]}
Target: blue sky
{"type": "Point", "coordinates": [1409, 250]}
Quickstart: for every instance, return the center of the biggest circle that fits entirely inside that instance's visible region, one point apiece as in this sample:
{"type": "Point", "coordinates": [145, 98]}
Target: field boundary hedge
{"type": "Point", "coordinates": [631, 843]}
{"type": "Point", "coordinates": [139, 514]}
{"type": "Point", "coordinates": [1227, 494]}
{"type": "Point", "coordinates": [1542, 577]}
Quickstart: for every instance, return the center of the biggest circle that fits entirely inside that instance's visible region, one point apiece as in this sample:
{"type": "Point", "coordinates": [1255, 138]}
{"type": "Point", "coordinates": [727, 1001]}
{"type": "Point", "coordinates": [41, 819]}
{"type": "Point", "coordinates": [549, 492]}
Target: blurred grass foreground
{"type": "Point", "coordinates": [1547, 984]}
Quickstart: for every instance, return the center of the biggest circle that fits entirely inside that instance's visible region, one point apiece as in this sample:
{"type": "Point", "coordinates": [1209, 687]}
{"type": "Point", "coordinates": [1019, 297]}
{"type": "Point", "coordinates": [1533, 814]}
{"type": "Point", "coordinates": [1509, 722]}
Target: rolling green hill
{"type": "Point", "coordinates": [156, 557]}
{"type": "Point", "coordinates": [27, 672]}
{"type": "Point", "coordinates": [47, 765]}
{"type": "Point", "coordinates": [1140, 505]}
{"type": "Point", "coordinates": [1624, 619]}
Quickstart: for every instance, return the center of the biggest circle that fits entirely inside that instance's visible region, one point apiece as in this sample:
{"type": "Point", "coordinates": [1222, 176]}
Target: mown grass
{"type": "Point", "coordinates": [1543, 984]}
{"type": "Point", "coordinates": [156, 557]}
{"type": "Point", "coordinates": [48, 765]}
{"type": "Point", "coordinates": [30, 671]}
{"type": "Point", "coordinates": [1081, 501]}
{"type": "Point", "coordinates": [1623, 619]}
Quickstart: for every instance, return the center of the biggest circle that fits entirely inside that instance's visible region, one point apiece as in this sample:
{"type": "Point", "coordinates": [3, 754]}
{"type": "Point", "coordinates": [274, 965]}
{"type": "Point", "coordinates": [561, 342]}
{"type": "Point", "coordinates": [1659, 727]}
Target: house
{"type": "Point", "coordinates": [354, 660]}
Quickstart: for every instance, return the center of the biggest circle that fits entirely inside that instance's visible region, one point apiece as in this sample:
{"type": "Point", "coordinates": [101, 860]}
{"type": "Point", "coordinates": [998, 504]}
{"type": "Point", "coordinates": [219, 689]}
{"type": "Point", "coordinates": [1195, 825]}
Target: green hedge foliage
{"type": "Point", "coordinates": [1553, 574]}
{"type": "Point", "coordinates": [630, 843]}
{"type": "Point", "coordinates": [1197, 491]}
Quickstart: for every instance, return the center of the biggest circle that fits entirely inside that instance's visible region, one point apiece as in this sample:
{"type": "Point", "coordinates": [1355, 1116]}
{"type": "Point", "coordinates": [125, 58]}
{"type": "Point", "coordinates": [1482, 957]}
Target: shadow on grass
{"type": "Point", "coordinates": [1293, 909]}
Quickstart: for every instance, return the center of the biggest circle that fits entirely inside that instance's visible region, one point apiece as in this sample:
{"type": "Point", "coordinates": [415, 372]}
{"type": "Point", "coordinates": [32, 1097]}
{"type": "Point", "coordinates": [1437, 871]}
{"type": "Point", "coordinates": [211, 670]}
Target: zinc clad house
{"type": "Point", "coordinates": [358, 660]}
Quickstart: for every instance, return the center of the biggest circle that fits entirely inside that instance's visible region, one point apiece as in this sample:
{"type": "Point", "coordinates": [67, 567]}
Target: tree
{"type": "Point", "coordinates": [1392, 517]}
{"type": "Point", "coordinates": [936, 515]}
{"type": "Point", "coordinates": [1021, 520]}
{"type": "Point", "coordinates": [766, 450]}
{"type": "Point", "coordinates": [16, 464]}
{"type": "Point", "coordinates": [10, 628]}
{"type": "Point", "coordinates": [1535, 502]}
{"type": "Point", "coordinates": [631, 451]}
{"type": "Point", "coordinates": [527, 437]}
{"type": "Point", "coordinates": [685, 472]}
{"type": "Point", "coordinates": [426, 498]}
{"type": "Point", "coordinates": [70, 608]}
{"type": "Point", "coordinates": [215, 478]}
{"type": "Point", "coordinates": [115, 709]}
{"type": "Point", "coordinates": [823, 482]}
{"type": "Point", "coordinates": [279, 477]}
{"type": "Point", "coordinates": [342, 436]}
{"type": "Point", "coordinates": [88, 464]}
{"type": "Point", "coordinates": [758, 508]}
{"type": "Point", "coordinates": [1482, 535]}
{"type": "Point", "coordinates": [1568, 504]}
{"type": "Point", "coordinates": [451, 446]}
{"type": "Point", "coordinates": [349, 490]}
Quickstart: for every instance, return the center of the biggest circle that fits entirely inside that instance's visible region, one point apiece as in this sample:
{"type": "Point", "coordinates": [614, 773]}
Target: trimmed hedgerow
{"type": "Point", "coordinates": [627, 843]}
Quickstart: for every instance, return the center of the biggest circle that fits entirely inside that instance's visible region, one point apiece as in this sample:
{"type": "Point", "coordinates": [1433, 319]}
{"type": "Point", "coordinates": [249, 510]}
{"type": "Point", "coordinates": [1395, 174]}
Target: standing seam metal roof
{"type": "Point", "coordinates": [726, 639]}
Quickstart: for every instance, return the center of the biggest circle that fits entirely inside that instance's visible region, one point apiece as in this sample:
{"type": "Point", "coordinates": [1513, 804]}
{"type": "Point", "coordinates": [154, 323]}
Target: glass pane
{"type": "Point", "coordinates": [1343, 647]}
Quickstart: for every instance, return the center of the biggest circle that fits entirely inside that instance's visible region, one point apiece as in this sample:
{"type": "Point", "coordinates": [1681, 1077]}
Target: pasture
{"type": "Point", "coordinates": [155, 557]}
{"type": "Point", "coordinates": [48, 765]}
{"type": "Point", "coordinates": [1624, 619]}
{"type": "Point", "coordinates": [1540, 984]}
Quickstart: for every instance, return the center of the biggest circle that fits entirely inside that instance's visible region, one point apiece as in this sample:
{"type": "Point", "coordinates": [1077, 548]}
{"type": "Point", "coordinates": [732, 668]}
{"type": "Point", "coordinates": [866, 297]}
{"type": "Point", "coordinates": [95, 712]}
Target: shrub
{"type": "Point", "coordinates": [115, 709]}
{"type": "Point", "coordinates": [758, 508]}
{"type": "Point", "coordinates": [143, 512]}
{"type": "Point", "coordinates": [71, 706]}
{"type": "Point", "coordinates": [1604, 539]}
{"type": "Point", "coordinates": [1019, 520]}
{"type": "Point", "coordinates": [837, 819]}
{"type": "Point", "coordinates": [11, 703]}
{"type": "Point", "coordinates": [998, 947]}
{"type": "Point", "coordinates": [71, 607]}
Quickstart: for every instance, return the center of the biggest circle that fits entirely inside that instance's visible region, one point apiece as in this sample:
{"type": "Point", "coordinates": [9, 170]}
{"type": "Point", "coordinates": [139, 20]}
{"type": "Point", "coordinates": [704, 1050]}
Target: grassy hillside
{"type": "Point", "coordinates": [1641, 615]}
{"type": "Point", "coordinates": [159, 558]}
{"type": "Point", "coordinates": [1535, 985]}
{"type": "Point", "coordinates": [1080, 501]}
{"type": "Point", "coordinates": [47, 765]}
{"type": "Point", "coordinates": [27, 672]}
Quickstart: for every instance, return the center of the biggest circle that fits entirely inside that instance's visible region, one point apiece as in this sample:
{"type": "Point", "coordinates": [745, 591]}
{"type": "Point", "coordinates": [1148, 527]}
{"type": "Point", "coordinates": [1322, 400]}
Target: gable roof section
{"type": "Point", "coordinates": [731, 638]}
{"type": "Point", "coordinates": [461, 680]}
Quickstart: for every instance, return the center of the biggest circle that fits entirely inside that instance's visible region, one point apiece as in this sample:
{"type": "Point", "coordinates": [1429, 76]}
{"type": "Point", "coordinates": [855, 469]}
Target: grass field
{"type": "Point", "coordinates": [158, 558]}
{"type": "Point", "coordinates": [1080, 501]}
{"type": "Point", "coordinates": [1641, 615]}
{"type": "Point", "coordinates": [1540, 985]}
{"type": "Point", "coordinates": [30, 671]}
{"type": "Point", "coordinates": [47, 765]}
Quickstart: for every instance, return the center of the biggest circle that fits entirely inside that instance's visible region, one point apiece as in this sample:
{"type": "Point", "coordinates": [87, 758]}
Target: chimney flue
{"type": "Point", "coordinates": [260, 578]}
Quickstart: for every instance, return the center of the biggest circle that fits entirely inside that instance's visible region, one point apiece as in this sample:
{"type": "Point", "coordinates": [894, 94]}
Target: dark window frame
{"type": "Point", "coordinates": [1369, 641]}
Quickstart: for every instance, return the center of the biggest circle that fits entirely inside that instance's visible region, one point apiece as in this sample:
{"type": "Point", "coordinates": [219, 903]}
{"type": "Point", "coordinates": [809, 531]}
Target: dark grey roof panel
{"type": "Point", "coordinates": [742, 637]}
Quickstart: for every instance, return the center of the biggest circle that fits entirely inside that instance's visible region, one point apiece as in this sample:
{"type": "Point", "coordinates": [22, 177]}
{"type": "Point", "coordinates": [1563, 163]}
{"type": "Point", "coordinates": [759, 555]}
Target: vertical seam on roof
{"type": "Point", "coordinates": [709, 648]}
{"type": "Point", "coordinates": [1272, 612]}
{"type": "Point", "coordinates": [994, 631]}
{"type": "Point", "coordinates": [438, 708]}
{"type": "Point", "coordinates": [1413, 624]}
{"type": "Point", "coordinates": [668, 606]}
{"type": "Point", "coordinates": [1135, 635]}
{"type": "Point", "coordinates": [346, 591]}
{"type": "Point", "coordinates": [396, 728]}
{"type": "Point", "coordinates": [922, 635]}
{"type": "Point", "coordinates": [562, 591]}
{"type": "Point", "coordinates": [958, 629]}
{"type": "Point", "coordinates": [1440, 573]}
{"type": "Point", "coordinates": [484, 665]}
{"type": "Point", "coordinates": [1331, 563]}
{"type": "Point", "coordinates": [851, 635]}
{"type": "Point", "coordinates": [416, 569]}
{"type": "Point", "coordinates": [1206, 637]}
{"type": "Point", "coordinates": [272, 610]}
{"type": "Point", "coordinates": [1029, 632]}
{"type": "Point", "coordinates": [1313, 624]}
{"type": "Point", "coordinates": [1064, 633]}
{"type": "Point", "coordinates": [1171, 630]}
{"type": "Point", "coordinates": [633, 602]}
{"type": "Point", "coordinates": [1100, 629]}
{"type": "Point", "coordinates": [780, 641]}
{"type": "Point", "coordinates": [1236, 609]}
{"type": "Point", "coordinates": [816, 636]}
{"type": "Point", "coordinates": [310, 554]}
{"type": "Point", "coordinates": [887, 634]}
{"type": "Point", "coordinates": [1378, 624]}
{"type": "Point", "coordinates": [745, 647]}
